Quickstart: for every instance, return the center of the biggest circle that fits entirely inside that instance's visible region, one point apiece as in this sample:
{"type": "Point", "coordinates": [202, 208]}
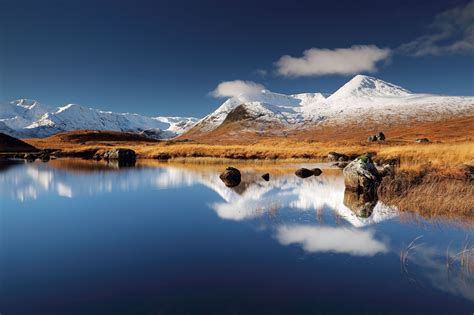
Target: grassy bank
{"type": "Point", "coordinates": [443, 157]}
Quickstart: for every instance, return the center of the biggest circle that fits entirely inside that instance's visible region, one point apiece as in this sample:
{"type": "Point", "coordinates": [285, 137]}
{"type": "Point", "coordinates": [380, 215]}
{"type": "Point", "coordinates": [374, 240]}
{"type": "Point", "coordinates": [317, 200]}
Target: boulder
{"type": "Point", "coordinates": [162, 156]}
{"type": "Point", "coordinates": [304, 173]}
{"type": "Point", "coordinates": [125, 155]}
{"type": "Point", "coordinates": [372, 138]}
{"type": "Point", "coordinates": [266, 177]}
{"type": "Point", "coordinates": [30, 157]}
{"type": "Point", "coordinates": [361, 175]}
{"type": "Point", "coordinates": [44, 157]}
{"type": "Point", "coordinates": [316, 171]}
{"type": "Point", "coordinates": [342, 165]}
{"type": "Point", "coordinates": [422, 140]}
{"type": "Point", "coordinates": [97, 157]}
{"type": "Point", "coordinates": [334, 156]}
{"type": "Point", "coordinates": [231, 177]}
{"type": "Point", "coordinates": [377, 137]}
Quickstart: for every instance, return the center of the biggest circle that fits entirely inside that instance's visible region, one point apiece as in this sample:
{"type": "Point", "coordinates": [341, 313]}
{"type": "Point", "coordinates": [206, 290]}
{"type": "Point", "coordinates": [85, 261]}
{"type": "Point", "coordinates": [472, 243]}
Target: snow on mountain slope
{"type": "Point", "coordinates": [362, 98]}
{"type": "Point", "coordinates": [26, 118]}
{"type": "Point", "coordinates": [272, 106]}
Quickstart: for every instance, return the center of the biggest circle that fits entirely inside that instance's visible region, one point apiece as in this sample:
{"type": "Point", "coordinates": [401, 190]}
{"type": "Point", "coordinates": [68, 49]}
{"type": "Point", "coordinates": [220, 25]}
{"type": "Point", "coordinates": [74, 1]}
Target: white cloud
{"type": "Point", "coordinates": [451, 31]}
{"type": "Point", "coordinates": [344, 61]}
{"type": "Point", "coordinates": [331, 239]}
{"type": "Point", "coordinates": [235, 88]}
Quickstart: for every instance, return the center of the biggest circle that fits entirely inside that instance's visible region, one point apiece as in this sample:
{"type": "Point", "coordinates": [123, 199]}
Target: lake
{"type": "Point", "coordinates": [84, 237]}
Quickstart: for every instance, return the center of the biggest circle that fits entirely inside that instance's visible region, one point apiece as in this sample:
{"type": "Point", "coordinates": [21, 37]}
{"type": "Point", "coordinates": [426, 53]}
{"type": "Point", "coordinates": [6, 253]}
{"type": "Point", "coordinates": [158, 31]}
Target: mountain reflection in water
{"type": "Point", "coordinates": [315, 217]}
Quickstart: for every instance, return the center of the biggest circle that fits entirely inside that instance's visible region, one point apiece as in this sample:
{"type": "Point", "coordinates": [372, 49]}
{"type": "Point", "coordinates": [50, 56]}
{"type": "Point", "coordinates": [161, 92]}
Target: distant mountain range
{"type": "Point", "coordinates": [361, 100]}
{"type": "Point", "coordinates": [28, 118]}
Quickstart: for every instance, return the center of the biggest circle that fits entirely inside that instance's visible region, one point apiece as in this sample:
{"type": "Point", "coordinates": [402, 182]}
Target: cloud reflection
{"type": "Point", "coordinates": [315, 239]}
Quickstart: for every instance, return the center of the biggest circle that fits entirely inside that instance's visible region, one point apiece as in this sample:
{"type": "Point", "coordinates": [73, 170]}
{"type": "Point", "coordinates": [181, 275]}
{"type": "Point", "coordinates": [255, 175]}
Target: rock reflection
{"type": "Point", "coordinates": [360, 203]}
{"type": "Point", "coordinates": [251, 199]}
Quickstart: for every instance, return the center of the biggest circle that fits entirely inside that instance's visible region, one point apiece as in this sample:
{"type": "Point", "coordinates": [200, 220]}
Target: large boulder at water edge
{"type": "Point", "coordinates": [361, 175]}
{"type": "Point", "coordinates": [231, 177]}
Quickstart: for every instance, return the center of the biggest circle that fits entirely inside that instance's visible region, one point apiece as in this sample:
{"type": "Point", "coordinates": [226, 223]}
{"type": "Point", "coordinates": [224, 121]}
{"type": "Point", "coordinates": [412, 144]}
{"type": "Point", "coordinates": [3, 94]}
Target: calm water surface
{"type": "Point", "coordinates": [80, 237]}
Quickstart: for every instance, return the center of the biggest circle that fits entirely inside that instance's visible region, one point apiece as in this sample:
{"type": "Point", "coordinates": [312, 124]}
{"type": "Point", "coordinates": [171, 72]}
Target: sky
{"type": "Point", "coordinates": [185, 57]}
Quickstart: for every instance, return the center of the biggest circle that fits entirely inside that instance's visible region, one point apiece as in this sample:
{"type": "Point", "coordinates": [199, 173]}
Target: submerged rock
{"type": "Point", "coordinates": [304, 173]}
{"type": "Point", "coordinates": [361, 175]}
{"type": "Point", "coordinates": [231, 177]}
{"type": "Point", "coordinates": [266, 177]}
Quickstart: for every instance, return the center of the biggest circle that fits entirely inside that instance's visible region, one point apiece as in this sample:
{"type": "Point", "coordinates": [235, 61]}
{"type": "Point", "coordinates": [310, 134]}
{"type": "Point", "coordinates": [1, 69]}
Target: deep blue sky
{"type": "Point", "coordinates": [164, 57]}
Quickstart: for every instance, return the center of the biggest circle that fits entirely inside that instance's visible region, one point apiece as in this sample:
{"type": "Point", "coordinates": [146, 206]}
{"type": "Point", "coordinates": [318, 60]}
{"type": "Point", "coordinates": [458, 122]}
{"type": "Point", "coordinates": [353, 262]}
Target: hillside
{"type": "Point", "coordinates": [10, 144]}
{"type": "Point", "coordinates": [363, 102]}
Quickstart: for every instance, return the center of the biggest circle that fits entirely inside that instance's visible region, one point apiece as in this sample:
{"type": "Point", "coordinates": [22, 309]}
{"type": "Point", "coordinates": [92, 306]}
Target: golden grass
{"type": "Point", "coordinates": [428, 194]}
{"type": "Point", "coordinates": [445, 157]}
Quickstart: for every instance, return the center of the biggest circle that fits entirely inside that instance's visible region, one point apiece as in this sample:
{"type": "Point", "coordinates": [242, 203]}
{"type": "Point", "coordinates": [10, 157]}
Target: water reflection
{"type": "Point", "coordinates": [331, 239]}
{"type": "Point", "coordinates": [314, 216]}
{"type": "Point", "coordinates": [253, 198]}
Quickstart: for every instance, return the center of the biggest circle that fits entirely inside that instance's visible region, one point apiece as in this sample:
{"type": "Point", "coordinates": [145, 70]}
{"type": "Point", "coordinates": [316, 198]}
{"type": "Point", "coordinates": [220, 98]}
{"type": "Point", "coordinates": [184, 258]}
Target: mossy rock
{"type": "Point", "coordinates": [363, 158]}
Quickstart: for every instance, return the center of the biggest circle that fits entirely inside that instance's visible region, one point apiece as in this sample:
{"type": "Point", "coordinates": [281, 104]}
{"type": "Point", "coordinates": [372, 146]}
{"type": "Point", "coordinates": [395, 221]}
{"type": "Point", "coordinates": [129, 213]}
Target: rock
{"type": "Point", "coordinates": [334, 156]}
{"type": "Point", "coordinates": [125, 155]}
{"type": "Point", "coordinates": [30, 157]}
{"type": "Point", "coordinates": [361, 204]}
{"type": "Point", "coordinates": [361, 175]}
{"type": "Point", "coordinates": [231, 177]}
{"type": "Point", "coordinates": [422, 140]}
{"type": "Point", "coordinates": [377, 137]}
{"type": "Point", "coordinates": [162, 156]}
{"type": "Point", "coordinates": [469, 173]}
{"type": "Point", "coordinates": [372, 138]}
{"type": "Point", "coordinates": [386, 170]}
{"type": "Point", "coordinates": [342, 164]}
{"type": "Point", "coordinates": [97, 157]}
{"type": "Point", "coordinates": [316, 171]}
{"type": "Point", "coordinates": [266, 177]}
{"type": "Point", "coordinates": [45, 157]}
{"type": "Point", "coordinates": [304, 173]}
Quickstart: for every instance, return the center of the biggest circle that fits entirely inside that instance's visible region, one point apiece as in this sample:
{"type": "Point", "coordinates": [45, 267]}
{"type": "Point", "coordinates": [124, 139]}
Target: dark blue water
{"type": "Point", "coordinates": [80, 237]}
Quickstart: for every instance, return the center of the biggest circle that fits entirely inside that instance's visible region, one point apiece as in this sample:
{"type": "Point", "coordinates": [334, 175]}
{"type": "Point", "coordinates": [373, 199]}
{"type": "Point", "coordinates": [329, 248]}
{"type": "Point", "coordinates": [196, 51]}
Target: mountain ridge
{"type": "Point", "coordinates": [362, 99]}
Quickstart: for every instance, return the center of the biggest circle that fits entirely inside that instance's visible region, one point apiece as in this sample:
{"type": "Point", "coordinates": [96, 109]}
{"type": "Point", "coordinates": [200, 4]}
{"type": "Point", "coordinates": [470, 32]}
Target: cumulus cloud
{"type": "Point", "coordinates": [344, 61]}
{"type": "Point", "coordinates": [451, 31]}
{"type": "Point", "coordinates": [235, 88]}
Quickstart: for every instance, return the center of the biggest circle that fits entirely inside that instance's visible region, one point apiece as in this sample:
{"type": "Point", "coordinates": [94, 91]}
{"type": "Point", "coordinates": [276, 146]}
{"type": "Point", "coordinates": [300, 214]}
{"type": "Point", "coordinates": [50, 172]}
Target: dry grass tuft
{"type": "Point", "coordinates": [429, 194]}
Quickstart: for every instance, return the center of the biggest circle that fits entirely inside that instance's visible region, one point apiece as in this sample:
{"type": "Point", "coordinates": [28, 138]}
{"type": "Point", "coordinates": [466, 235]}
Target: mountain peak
{"type": "Point", "coordinates": [366, 86]}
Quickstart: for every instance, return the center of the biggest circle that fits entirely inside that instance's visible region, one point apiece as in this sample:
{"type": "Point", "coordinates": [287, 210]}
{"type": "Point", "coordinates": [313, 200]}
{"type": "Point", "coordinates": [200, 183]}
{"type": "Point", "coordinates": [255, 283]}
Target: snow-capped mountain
{"type": "Point", "coordinates": [361, 99]}
{"type": "Point", "coordinates": [28, 118]}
